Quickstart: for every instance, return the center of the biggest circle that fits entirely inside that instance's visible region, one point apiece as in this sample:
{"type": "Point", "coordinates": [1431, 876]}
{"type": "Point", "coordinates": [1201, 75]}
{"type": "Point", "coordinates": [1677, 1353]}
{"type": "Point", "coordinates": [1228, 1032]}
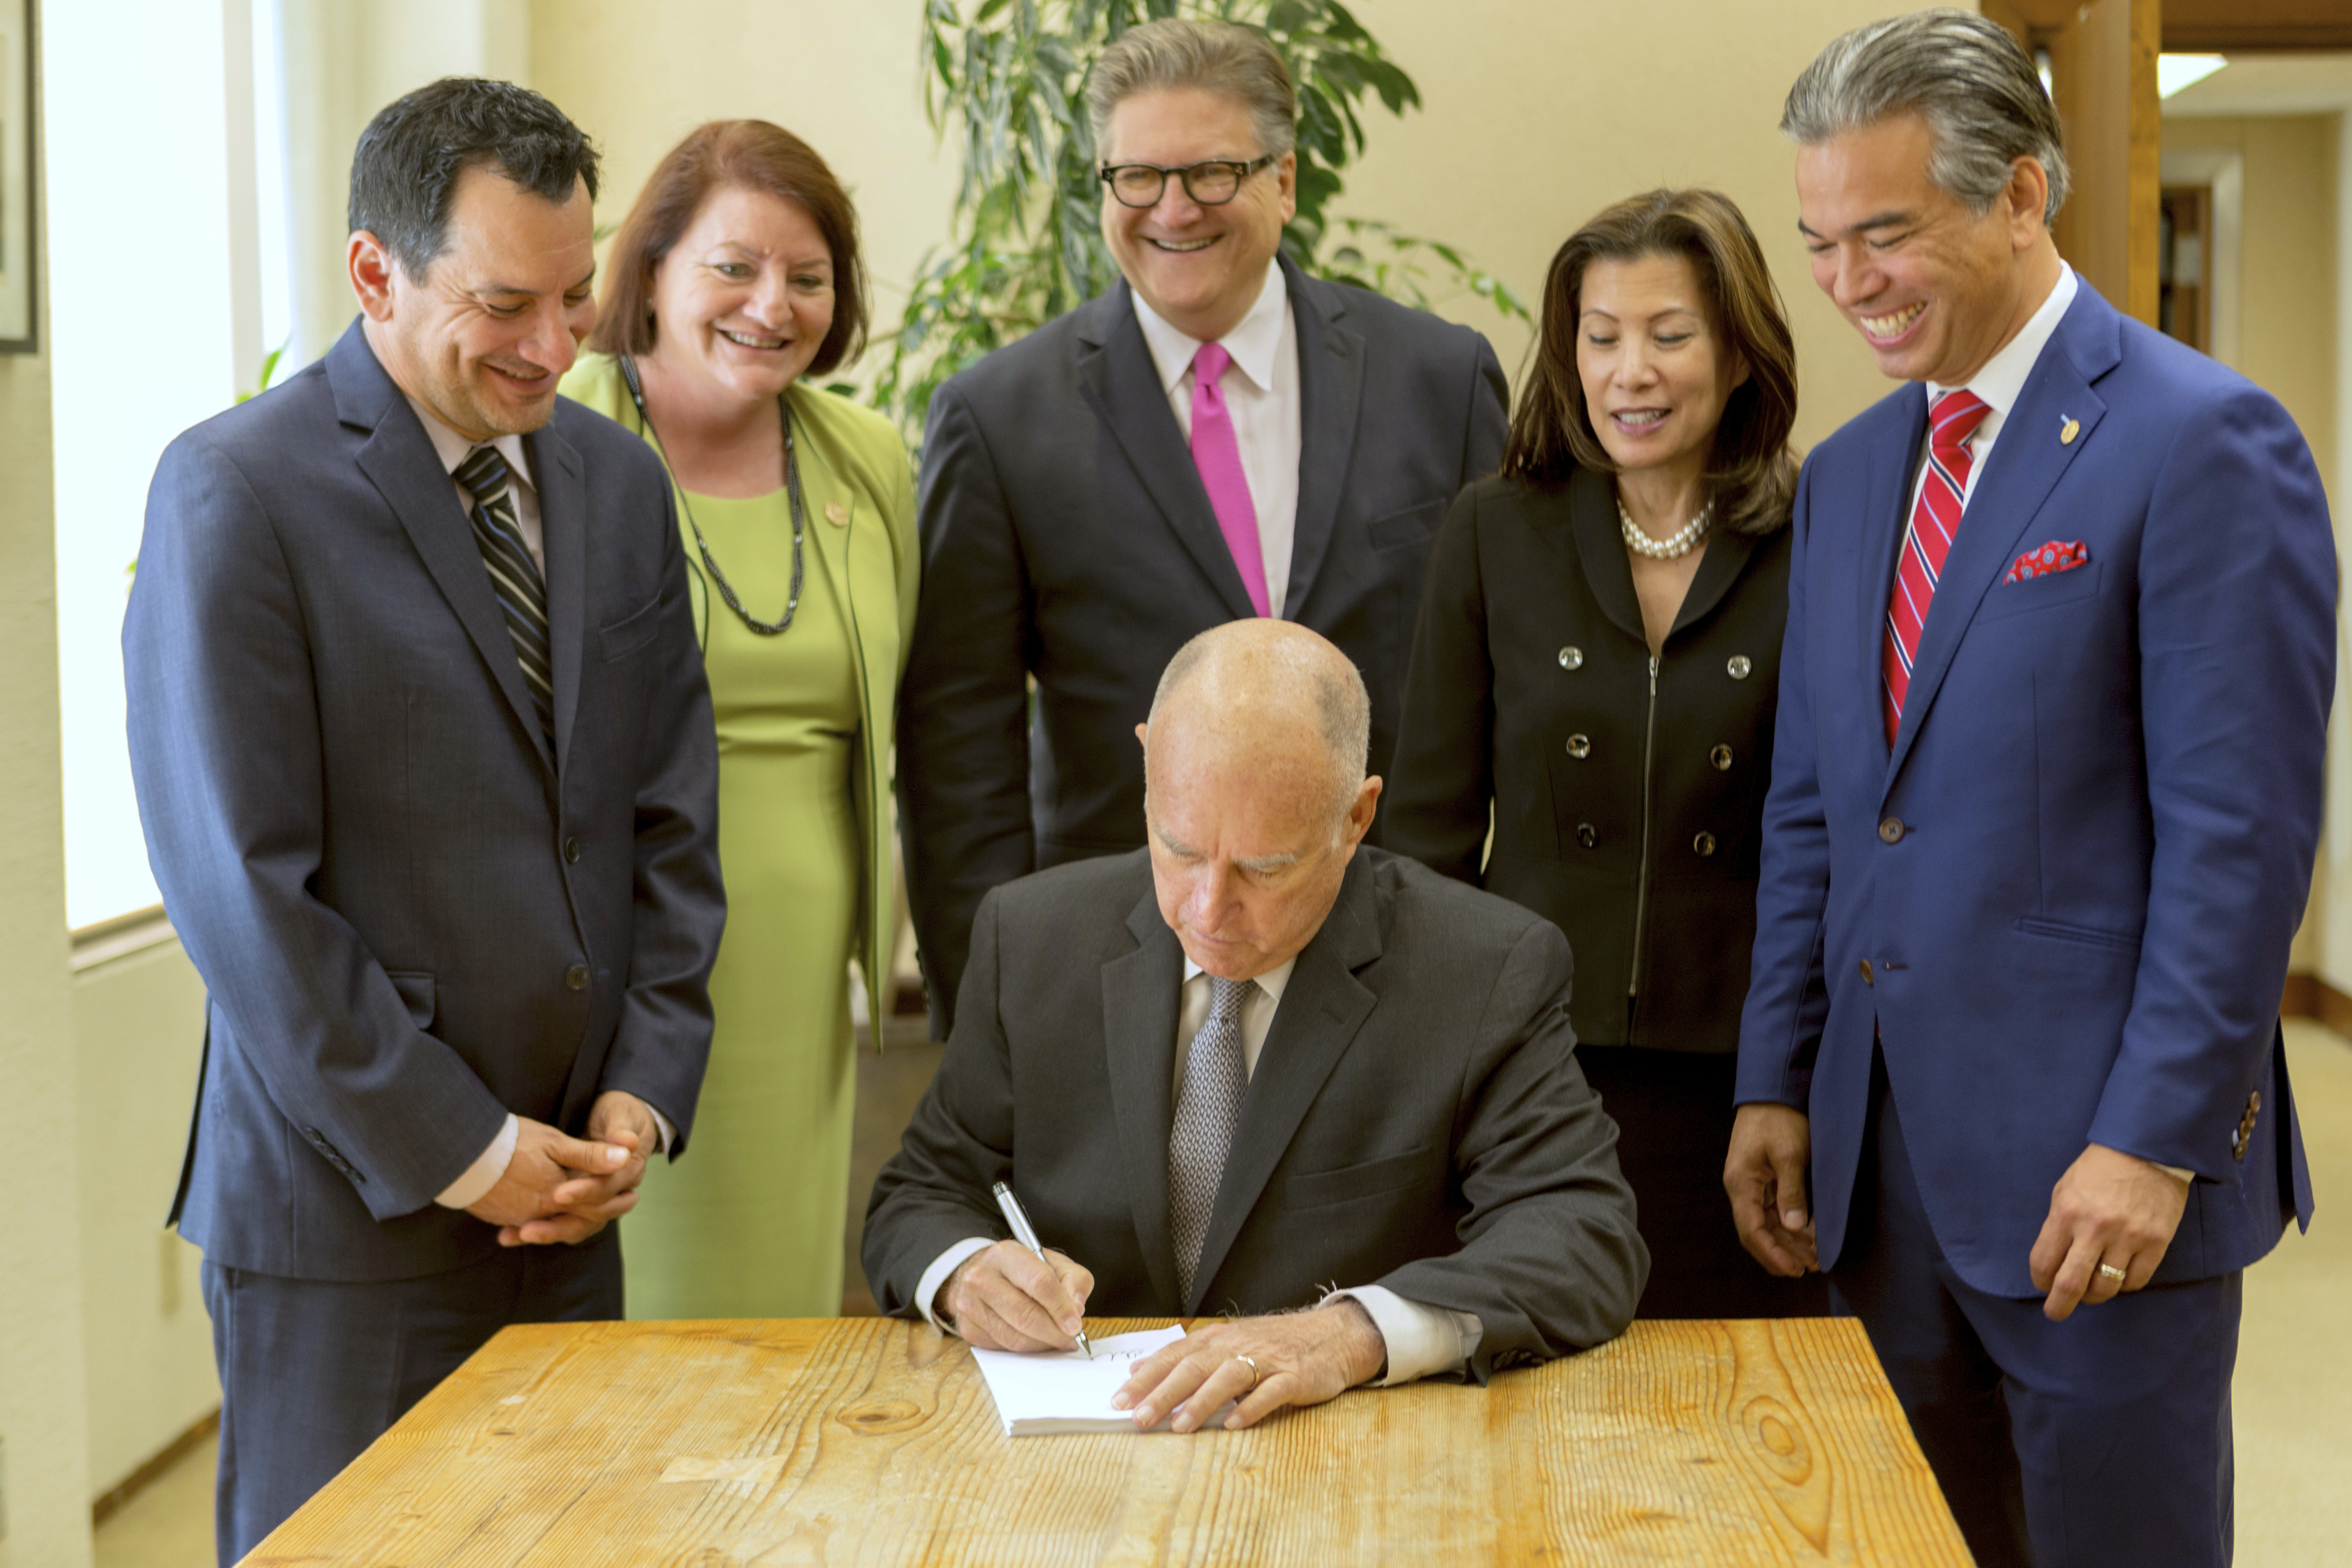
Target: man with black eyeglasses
{"type": "Point", "coordinates": [1218, 436]}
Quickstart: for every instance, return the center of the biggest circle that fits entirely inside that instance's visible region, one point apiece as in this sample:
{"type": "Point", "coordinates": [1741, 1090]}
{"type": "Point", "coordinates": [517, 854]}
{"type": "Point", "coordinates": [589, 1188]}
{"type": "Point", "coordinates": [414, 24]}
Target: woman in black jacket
{"type": "Point", "coordinates": [1595, 673]}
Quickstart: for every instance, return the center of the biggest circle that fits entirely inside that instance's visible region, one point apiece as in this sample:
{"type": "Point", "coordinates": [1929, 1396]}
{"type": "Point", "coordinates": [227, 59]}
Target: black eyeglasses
{"type": "Point", "coordinates": [1211, 182]}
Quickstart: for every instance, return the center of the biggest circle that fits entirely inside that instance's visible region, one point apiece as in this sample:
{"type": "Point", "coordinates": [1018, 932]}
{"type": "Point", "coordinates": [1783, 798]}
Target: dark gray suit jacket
{"type": "Point", "coordinates": [1417, 1119]}
{"type": "Point", "coordinates": [1066, 537]}
{"type": "Point", "coordinates": [412, 917]}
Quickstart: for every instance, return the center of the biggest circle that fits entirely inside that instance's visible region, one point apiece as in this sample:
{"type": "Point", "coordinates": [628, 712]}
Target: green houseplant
{"type": "Point", "coordinates": [1007, 79]}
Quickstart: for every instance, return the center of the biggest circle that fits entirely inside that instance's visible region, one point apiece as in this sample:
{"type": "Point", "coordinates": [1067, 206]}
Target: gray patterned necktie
{"type": "Point", "coordinates": [514, 575]}
{"type": "Point", "coordinates": [1207, 1110]}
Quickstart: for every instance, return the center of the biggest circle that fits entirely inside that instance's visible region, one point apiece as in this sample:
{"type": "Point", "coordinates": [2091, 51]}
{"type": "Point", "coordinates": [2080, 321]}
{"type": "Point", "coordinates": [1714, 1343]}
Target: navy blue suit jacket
{"type": "Point", "coordinates": [2065, 897]}
{"type": "Point", "coordinates": [411, 918]}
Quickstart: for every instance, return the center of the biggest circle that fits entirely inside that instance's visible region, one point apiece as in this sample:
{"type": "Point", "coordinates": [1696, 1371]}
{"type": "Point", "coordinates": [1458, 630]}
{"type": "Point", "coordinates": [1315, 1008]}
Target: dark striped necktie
{"type": "Point", "coordinates": [514, 577]}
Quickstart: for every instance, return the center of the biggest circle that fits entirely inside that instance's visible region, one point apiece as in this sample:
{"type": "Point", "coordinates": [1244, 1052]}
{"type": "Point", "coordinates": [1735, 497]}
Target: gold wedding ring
{"type": "Point", "coordinates": [1255, 1373]}
{"type": "Point", "coordinates": [2111, 1272]}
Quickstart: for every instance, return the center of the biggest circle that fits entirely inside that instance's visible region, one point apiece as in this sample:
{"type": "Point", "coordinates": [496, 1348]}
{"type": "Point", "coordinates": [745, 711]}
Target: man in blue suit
{"type": "Point", "coordinates": [2046, 797]}
{"type": "Point", "coordinates": [425, 763]}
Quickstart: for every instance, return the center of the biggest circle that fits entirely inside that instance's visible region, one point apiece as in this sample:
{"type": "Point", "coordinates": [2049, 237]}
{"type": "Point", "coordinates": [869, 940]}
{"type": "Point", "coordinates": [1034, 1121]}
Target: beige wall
{"type": "Point", "coordinates": [138, 1022]}
{"type": "Point", "coordinates": [42, 1453]}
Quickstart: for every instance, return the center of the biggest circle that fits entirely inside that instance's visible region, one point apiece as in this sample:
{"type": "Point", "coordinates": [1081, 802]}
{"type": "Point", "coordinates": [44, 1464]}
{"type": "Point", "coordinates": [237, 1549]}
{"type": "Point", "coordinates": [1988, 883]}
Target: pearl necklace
{"type": "Point", "coordinates": [1682, 543]}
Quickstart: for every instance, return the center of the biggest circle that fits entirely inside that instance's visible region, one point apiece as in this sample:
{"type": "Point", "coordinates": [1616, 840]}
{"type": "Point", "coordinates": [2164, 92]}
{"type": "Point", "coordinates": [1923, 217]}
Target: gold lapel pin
{"type": "Point", "coordinates": [838, 515]}
{"type": "Point", "coordinates": [2068, 431]}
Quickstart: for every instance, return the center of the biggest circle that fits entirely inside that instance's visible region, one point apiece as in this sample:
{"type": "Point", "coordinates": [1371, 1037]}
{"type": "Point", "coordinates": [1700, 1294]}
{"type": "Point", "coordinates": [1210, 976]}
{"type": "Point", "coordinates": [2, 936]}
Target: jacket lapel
{"type": "Point", "coordinates": [1886, 519]}
{"type": "Point", "coordinates": [1142, 991]}
{"type": "Point", "coordinates": [399, 461]}
{"type": "Point", "coordinates": [1601, 545]}
{"type": "Point", "coordinates": [1115, 371]}
{"type": "Point", "coordinates": [1331, 388]}
{"type": "Point", "coordinates": [1726, 557]}
{"type": "Point", "coordinates": [2026, 463]}
{"type": "Point", "coordinates": [1322, 1009]}
{"type": "Point", "coordinates": [563, 529]}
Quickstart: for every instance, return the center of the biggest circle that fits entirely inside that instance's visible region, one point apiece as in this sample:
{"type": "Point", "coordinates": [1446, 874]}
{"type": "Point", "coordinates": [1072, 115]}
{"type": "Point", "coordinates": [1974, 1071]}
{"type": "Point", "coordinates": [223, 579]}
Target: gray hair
{"type": "Point", "coordinates": [1978, 90]}
{"type": "Point", "coordinates": [1213, 57]}
{"type": "Point", "coordinates": [1343, 708]}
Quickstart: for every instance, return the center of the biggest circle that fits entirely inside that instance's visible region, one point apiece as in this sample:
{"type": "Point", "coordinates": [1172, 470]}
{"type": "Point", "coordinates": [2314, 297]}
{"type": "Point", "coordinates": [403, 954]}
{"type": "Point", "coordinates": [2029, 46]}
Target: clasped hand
{"type": "Point", "coordinates": [1007, 1298]}
{"type": "Point", "coordinates": [561, 1189]}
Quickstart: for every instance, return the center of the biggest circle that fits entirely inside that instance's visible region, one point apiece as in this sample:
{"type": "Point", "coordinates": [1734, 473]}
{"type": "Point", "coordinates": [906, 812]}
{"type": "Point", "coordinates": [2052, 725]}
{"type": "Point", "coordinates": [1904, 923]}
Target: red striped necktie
{"type": "Point", "coordinates": [1934, 520]}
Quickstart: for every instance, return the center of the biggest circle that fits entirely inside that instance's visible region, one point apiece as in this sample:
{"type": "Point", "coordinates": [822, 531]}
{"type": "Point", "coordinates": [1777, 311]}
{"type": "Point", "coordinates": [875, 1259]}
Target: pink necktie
{"type": "Point", "coordinates": [1217, 453]}
{"type": "Point", "coordinates": [1934, 520]}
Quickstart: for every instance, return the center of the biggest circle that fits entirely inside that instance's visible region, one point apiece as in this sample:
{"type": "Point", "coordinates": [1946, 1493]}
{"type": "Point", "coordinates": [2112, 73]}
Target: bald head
{"type": "Point", "coordinates": [1275, 699]}
{"type": "Point", "coordinates": [1253, 790]}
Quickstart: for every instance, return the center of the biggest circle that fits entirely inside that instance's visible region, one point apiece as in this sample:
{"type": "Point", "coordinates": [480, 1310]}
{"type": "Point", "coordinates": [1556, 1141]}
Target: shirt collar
{"type": "Point", "coordinates": [1271, 982]}
{"type": "Point", "coordinates": [451, 447]}
{"type": "Point", "coordinates": [2002, 380]}
{"type": "Point", "coordinates": [1253, 343]}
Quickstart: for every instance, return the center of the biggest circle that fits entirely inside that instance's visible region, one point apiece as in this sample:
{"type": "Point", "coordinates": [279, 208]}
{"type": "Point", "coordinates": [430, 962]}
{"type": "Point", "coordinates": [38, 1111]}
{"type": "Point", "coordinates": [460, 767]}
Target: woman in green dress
{"type": "Point", "coordinates": [734, 279]}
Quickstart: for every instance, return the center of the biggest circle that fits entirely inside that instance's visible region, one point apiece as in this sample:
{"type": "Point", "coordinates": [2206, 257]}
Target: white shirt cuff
{"type": "Point", "coordinates": [1421, 1340]}
{"type": "Point", "coordinates": [2181, 1172]}
{"type": "Point", "coordinates": [945, 1263]}
{"type": "Point", "coordinates": [665, 1135]}
{"type": "Point", "coordinates": [483, 1173]}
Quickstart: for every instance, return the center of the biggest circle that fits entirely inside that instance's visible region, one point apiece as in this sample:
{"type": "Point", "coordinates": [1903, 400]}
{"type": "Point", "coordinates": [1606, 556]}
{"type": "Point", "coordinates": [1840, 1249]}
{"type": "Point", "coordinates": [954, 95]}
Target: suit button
{"type": "Point", "coordinates": [571, 850]}
{"type": "Point", "coordinates": [1867, 980]}
{"type": "Point", "coordinates": [576, 977]}
{"type": "Point", "coordinates": [1586, 835]}
{"type": "Point", "coordinates": [1572, 657]}
{"type": "Point", "coordinates": [1579, 746]}
{"type": "Point", "coordinates": [1737, 667]}
{"type": "Point", "coordinates": [1890, 830]}
{"type": "Point", "coordinates": [1721, 758]}
{"type": "Point", "coordinates": [1703, 844]}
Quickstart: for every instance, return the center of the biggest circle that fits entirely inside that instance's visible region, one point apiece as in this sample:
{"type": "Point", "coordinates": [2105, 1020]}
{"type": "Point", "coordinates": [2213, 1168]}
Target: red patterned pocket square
{"type": "Point", "coordinates": [2053, 556]}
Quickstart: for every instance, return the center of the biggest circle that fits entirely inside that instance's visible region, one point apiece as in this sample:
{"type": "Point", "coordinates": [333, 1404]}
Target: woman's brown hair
{"type": "Point", "coordinates": [1752, 469]}
{"type": "Point", "coordinates": [754, 155]}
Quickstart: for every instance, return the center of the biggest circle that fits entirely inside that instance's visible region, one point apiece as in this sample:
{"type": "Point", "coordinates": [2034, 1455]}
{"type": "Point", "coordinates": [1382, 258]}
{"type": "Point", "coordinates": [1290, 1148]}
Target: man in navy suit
{"type": "Point", "coordinates": [425, 763]}
{"type": "Point", "coordinates": [2046, 797]}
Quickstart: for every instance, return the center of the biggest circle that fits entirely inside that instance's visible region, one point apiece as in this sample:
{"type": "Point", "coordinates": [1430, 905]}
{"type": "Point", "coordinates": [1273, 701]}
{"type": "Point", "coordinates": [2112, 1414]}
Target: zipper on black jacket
{"type": "Point", "coordinates": [1642, 887]}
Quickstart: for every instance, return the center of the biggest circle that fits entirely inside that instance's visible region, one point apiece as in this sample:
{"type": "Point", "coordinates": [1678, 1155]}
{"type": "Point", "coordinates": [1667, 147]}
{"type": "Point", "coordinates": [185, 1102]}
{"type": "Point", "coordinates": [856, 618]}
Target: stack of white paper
{"type": "Point", "coordinates": [1046, 1393]}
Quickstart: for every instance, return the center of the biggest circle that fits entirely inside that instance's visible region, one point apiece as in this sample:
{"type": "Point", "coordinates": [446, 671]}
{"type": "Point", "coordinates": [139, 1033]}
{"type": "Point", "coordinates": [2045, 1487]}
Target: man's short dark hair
{"type": "Point", "coordinates": [404, 171]}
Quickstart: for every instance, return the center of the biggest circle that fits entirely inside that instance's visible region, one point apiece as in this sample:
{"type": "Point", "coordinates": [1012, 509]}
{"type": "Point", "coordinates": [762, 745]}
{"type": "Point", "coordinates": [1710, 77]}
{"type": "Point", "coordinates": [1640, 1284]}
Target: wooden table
{"type": "Point", "coordinates": [866, 1441]}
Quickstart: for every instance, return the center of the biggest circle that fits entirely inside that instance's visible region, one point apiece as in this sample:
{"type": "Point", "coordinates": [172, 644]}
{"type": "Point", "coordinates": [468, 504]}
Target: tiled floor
{"type": "Point", "coordinates": [2294, 1359]}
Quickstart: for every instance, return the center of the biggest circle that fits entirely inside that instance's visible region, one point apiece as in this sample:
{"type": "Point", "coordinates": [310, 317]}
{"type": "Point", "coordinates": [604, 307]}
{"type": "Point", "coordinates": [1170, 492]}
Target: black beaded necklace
{"type": "Point", "coordinates": [791, 489]}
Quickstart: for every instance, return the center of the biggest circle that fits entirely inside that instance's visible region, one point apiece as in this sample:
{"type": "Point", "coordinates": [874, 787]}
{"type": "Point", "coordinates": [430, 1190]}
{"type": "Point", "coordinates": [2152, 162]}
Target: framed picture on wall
{"type": "Point", "coordinates": [19, 315]}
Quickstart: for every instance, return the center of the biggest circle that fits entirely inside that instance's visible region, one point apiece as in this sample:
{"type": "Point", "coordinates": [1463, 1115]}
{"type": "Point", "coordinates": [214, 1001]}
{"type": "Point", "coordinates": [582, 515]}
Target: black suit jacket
{"type": "Point", "coordinates": [1416, 1120]}
{"type": "Point", "coordinates": [1494, 711]}
{"type": "Point", "coordinates": [412, 915]}
{"type": "Point", "coordinates": [1066, 537]}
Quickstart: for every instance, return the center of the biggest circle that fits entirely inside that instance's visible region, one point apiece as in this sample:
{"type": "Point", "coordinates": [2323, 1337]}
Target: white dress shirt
{"type": "Point", "coordinates": [1999, 385]}
{"type": "Point", "coordinates": [1420, 1339]}
{"type": "Point", "coordinates": [1261, 389]}
{"type": "Point", "coordinates": [453, 449]}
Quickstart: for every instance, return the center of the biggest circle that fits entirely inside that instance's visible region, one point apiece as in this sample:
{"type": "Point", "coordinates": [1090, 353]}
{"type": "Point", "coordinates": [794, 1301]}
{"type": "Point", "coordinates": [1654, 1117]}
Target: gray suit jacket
{"type": "Point", "coordinates": [1066, 537]}
{"type": "Point", "coordinates": [412, 916]}
{"type": "Point", "coordinates": [1416, 1120]}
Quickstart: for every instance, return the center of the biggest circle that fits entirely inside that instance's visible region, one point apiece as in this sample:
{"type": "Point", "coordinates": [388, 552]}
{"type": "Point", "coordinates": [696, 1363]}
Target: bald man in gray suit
{"type": "Point", "coordinates": [1255, 1060]}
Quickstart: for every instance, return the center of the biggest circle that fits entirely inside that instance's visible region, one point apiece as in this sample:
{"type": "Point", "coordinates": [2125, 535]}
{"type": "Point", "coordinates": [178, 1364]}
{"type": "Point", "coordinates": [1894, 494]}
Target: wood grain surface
{"type": "Point", "coordinates": [872, 1442]}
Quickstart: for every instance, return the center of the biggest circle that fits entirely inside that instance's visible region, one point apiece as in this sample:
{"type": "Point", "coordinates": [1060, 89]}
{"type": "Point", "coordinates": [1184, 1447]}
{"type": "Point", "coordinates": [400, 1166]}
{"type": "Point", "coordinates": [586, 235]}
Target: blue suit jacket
{"type": "Point", "coordinates": [2107, 787]}
{"type": "Point", "coordinates": [412, 917]}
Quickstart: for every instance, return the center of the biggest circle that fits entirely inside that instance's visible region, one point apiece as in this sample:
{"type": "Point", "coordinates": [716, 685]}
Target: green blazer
{"type": "Point", "coordinates": [860, 494]}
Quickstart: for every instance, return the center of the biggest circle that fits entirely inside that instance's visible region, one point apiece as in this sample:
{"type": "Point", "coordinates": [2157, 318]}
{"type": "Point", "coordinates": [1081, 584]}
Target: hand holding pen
{"type": "Point", "coordinates": [1017, 1297]}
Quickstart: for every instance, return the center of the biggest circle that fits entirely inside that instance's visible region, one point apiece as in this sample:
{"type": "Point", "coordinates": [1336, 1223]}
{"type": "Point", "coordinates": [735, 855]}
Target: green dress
{"type": "Point", "coordinates": [748, 1221]}
{"type": "Point", "coordinates": [749, 1224]}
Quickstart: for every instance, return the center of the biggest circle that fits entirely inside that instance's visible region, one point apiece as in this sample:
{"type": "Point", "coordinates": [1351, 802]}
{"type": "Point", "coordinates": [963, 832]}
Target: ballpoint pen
{"type": "Point", "coordinates": [1026, 1235]}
